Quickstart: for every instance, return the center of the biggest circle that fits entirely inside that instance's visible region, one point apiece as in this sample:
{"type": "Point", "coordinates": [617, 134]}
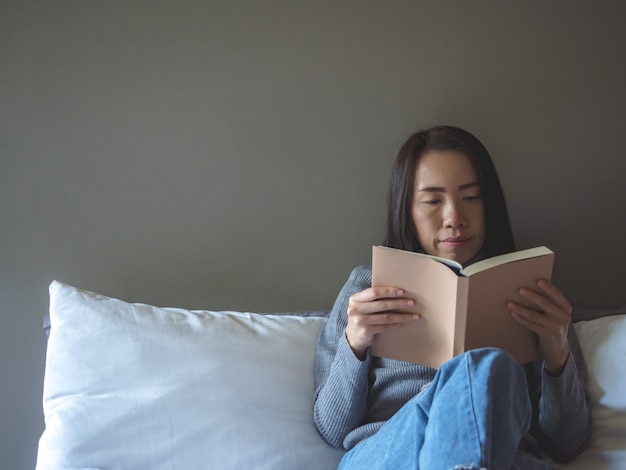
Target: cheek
{"type": "Point", "coordinates": [423, 222]}
{"type": "Point", "coordinates": [479, 222]}
{"type": "Point", "coordinates": [480, 218]}
{"type": "Point", "coordinates": [417, 217]}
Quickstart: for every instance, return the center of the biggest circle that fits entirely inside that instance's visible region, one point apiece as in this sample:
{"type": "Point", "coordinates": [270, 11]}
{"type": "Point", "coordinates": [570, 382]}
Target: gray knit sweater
{"type": "Point", "coordinates": [354, 398]}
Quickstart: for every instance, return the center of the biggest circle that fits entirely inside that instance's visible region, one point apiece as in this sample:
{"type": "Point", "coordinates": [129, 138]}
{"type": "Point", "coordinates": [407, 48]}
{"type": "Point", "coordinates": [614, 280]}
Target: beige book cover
{"type": "Point", "coordinates": [461, 308]}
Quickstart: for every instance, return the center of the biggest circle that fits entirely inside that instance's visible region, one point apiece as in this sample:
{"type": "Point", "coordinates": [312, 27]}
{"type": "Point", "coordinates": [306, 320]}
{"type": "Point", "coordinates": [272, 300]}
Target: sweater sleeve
{"type": "Point", "coordinates": [341, 379]}
{"type": "Point", "coordinates": [562, 421]}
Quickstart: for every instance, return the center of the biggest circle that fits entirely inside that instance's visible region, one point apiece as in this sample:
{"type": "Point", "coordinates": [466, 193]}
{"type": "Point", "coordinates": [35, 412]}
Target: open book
{"type": "Point", "coordinates": [461, 308]}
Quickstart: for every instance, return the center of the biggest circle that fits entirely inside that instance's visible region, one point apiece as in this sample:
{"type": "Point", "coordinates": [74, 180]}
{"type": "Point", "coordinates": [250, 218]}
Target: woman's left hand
{"type": "Point", "coordinates": [549, 317]}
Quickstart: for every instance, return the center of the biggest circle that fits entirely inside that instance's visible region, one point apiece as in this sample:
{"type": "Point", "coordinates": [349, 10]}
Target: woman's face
{"type": "Point", "coordinates": [448, 210]}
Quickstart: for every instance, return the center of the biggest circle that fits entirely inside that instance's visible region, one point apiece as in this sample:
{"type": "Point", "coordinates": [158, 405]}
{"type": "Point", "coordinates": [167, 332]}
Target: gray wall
{"type": "Point", "coordinates": [235, 155]}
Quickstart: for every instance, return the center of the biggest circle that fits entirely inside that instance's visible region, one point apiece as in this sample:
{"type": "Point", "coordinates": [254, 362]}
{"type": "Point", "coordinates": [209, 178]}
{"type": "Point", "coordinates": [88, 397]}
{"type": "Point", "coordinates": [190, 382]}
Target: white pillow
{"type": "Point", "coordinates": [136, 386]}
{"type": "Point", "coordinates": [603, 343]}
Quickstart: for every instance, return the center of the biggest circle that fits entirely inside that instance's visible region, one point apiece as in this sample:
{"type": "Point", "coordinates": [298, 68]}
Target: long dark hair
{"type": "Point", "coordinates": [401, 231]}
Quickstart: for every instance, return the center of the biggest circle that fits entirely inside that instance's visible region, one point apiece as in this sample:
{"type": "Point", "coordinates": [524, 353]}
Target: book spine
{"type": "Point", "coordinates": [460, 318]}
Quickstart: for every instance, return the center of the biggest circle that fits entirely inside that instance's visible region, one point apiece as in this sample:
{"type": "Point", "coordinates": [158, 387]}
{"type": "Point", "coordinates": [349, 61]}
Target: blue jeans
{"type": "Point", "coordinates": [472, 416]}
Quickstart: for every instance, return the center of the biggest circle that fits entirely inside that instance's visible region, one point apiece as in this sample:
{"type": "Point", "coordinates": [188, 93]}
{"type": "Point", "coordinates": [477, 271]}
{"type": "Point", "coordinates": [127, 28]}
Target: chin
{"type": "Point", "coordinates": [462, 258]}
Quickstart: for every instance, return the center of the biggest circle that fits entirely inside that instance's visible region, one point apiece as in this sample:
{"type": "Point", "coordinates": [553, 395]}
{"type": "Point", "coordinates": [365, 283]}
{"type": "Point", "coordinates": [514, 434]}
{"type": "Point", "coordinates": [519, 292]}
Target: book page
{"type": "Point", "coordinates": [503, 259]}
{"type": "Point", "coordinates": [430, 339]}
{"type": "Point", "coordinates": [489, 322]}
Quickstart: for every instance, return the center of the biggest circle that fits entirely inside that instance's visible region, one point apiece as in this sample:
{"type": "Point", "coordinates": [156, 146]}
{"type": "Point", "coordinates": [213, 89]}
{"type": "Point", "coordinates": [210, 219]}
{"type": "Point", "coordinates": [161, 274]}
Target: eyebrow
{"type": "Point", "coordinates": [440, 189]}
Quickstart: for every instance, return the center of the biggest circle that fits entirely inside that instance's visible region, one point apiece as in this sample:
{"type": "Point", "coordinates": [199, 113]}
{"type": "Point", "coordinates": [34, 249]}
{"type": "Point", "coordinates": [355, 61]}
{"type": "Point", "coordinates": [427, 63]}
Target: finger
{"type": "Point", "coordinates": [392, 318]}
{"type": "Point", "coordinates": [529, 317]}
{"type": "Point", "coordinates": [379, 306]}
{"type": "Point", "coordinates": [378, 323]}
{"type": "Point", "coordinates": [375, 293]}
{"type": "Point", "coordinates": [361, 329]}
{"type": "Point", "coordinates": [544, 304]}
{"type": "Point", "coordinates": [555, 294]}
{"type": "Point", "coordinates": [379, 328]}
{"type": "Point", "coordinates": [527, 322]}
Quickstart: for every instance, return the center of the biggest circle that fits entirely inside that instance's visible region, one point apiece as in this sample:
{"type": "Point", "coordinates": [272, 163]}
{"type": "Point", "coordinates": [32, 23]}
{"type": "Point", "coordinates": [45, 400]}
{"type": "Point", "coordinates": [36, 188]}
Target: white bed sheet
{"type": "Point", "coordinates": [603, 342]}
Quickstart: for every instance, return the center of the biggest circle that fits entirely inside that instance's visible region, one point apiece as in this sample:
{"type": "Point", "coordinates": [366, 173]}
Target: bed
{"type": "Point", "coordinates": [131, 385]}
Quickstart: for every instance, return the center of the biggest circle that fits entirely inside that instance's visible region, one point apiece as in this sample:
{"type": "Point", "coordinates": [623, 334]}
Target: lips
{"type": "Point", "coordinates": [455, 241]}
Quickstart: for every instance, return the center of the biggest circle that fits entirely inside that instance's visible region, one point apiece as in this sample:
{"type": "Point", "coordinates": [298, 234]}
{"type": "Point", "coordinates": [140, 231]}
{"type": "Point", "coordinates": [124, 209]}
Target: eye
{"type": "Point", "coordinates": [472, 198]}
{"type": "Point", "coordinates": [431, 202]}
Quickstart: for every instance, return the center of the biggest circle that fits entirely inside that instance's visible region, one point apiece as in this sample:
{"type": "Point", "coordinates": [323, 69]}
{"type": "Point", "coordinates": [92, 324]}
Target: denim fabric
{"type": "Point", "coordinates": [472, 416]}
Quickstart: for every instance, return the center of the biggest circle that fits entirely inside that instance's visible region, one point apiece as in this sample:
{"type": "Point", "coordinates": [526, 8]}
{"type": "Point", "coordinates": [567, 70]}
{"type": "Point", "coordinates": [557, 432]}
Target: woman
{"type": "Point", "coordinates": [481, 409]}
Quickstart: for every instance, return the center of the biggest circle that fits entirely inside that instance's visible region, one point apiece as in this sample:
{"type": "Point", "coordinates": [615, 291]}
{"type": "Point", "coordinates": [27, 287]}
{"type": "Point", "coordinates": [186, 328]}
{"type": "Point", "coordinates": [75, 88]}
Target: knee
{"type": "Point", "coordinates": [485, 364]}
{"type": "Point", "coordinates": [501, 378]}
{"type": "Point", "coordinates": [497, 356]}
{"type": "Point", "coordinates": [498, 364]}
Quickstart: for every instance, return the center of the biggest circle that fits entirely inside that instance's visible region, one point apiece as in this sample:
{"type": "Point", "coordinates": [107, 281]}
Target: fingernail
{"type": "Point", "coordinates": [410, 302]}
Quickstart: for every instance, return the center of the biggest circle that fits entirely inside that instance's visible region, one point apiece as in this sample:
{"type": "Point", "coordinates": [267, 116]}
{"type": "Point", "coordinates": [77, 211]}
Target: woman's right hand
{"type": "Point", "coordinates": [372, 311]}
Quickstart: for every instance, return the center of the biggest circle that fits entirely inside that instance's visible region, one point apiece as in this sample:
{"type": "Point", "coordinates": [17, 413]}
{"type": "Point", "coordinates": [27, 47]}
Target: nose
{"type": "Point", "coordinates": [454, 216]}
